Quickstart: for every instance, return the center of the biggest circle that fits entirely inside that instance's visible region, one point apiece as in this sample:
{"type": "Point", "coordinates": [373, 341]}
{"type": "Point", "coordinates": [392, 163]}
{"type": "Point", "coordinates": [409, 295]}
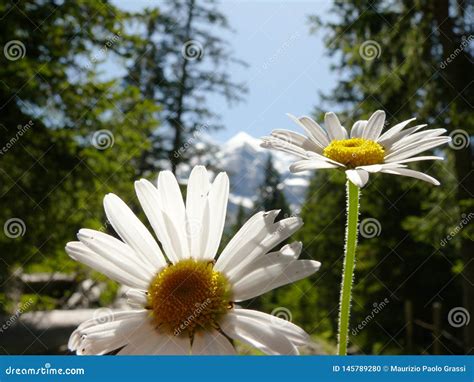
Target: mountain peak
{"type": "Point", "coordinates": [241, 139]}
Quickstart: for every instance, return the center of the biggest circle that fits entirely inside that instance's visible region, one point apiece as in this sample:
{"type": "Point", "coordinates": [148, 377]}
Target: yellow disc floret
{"type": "Point", "coordinates": [188, 296]}
{"type": "Point", "coordinates": [355, 152]}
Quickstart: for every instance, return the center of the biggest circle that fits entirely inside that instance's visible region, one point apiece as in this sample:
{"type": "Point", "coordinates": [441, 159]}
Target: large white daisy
{"type": "Point", "coordinates": [363, 151]}
{"type": "Point", "coordinates": [183, 299]}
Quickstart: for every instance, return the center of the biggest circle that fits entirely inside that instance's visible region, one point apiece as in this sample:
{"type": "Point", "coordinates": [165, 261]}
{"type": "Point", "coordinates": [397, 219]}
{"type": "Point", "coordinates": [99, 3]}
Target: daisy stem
{"type": "Point", "coordinates": [349, 263]}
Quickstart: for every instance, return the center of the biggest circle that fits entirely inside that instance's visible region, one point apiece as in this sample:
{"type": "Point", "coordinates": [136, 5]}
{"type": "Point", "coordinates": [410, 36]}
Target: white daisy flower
{"type": "Point", "coordinates": [184, 299]}
{"type": "Point", "coordinates": [365, 150]}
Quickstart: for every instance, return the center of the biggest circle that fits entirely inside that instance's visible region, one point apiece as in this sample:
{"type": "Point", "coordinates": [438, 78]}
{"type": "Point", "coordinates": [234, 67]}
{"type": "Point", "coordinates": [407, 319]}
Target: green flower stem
{"type": "Point", "coordinates": [349, 263]}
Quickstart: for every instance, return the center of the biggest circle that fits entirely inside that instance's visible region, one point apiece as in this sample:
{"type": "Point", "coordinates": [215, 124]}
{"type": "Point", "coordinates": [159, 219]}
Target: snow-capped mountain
{"type": "Point", "coordinates": [244, 161]}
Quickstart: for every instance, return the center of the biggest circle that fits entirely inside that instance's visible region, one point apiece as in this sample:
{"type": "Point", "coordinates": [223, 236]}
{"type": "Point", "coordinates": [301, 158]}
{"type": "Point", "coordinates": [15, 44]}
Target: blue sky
{"type": "Point", "coordinates": [287, 65]}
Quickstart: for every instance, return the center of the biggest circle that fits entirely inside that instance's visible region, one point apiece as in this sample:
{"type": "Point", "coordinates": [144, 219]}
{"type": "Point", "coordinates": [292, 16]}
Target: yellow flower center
{"type": "Point", "coordinates": [355, 152]}
{"type": "Point", "coordinates": [188, 296]}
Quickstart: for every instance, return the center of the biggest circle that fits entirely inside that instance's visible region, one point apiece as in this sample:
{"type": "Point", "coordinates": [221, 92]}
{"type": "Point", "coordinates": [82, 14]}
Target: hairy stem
{"type": "Point", "coordinates": [349, 264]}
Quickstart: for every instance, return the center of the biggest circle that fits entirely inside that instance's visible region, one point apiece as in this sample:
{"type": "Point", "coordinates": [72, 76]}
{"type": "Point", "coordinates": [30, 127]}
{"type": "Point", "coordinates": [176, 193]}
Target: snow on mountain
{"type": "Point", "coordinates": [244, 161]}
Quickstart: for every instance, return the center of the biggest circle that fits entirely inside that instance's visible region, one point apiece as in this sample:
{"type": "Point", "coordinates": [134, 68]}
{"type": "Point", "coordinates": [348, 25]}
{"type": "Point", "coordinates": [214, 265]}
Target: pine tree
{"type": "Point", "coordinates": [270, 194]}
{"type": "Point", "coordinates": [182, 59]}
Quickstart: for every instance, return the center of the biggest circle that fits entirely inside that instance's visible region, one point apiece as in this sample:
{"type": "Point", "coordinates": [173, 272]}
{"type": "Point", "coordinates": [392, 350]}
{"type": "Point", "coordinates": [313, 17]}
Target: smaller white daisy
{"type": "Point", "coordinates": [184, 299]}
{"type": "Point", "coordinates": [365, 150]}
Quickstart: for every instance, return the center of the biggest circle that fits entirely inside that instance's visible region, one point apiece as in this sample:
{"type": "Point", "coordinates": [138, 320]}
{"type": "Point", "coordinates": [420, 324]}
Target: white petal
{"type": "Point", "coordinates": [79, 252]}
{"type": "Point", "coordinates": [272, 235]}
{"type": "Point", "coordinates": [413, 174]}
{"type": "Point", "coordinates": [374, 126]}
{"type": "Point", "coordinates": [132, 231]}
{"type": "Point", "coordinates": [211, 343]}
{"type": "Point", "coordinates": [218, 197]}
{"type": "Point", "coordinates": [373, 168]}
{"type": "Point", "coordinates": [174, 345]}
{"type": "Point", "coordinates": [358, 128]}
{"type": "Point", "coordinates": [144, 341]}
{"type": "Point", "coordinates": [393, 131]}
{"type": "Point", "coordinates": [116, 252]}
{"type": "Point", "coordinates": [265, 279]}
{"type": "Point", "coordinates": [293, 332]}
{"type": "Point", "coordinates": [334, 127]}
{"type": "Point", "coordinates": [310, 164]}
{"type": "Point", "coordinates": [196, 202]}
{"type": "Point", "coordinates": [415, 148]}
{"type": "Point", "coordinates": [416, 159]}
{"type": "Point", "coordinates": [137, 296]}
{"type": "Point", "coordinates": [106, 332]}
{"type": "Point", "coordinates": [358, 177]}
{"type": "Point", "coordinates": [285, 255]}
{"type": "Point", "coordinates": [312, 129]}
{"type": "Point", "coordinates": [417, 137]}
{"type": "Point", "coordinates": [171, 203]}
{"type": "Point", "coordinates": [150, 201]}
{"type": "Point", "coordinates": [286, 147]}
{"type": "Point", "coordinates": [298, 140]}
{"type": "Point", "coordinates": [264, 338]}
{"type": "Point", "coordinates": [249, 236]}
